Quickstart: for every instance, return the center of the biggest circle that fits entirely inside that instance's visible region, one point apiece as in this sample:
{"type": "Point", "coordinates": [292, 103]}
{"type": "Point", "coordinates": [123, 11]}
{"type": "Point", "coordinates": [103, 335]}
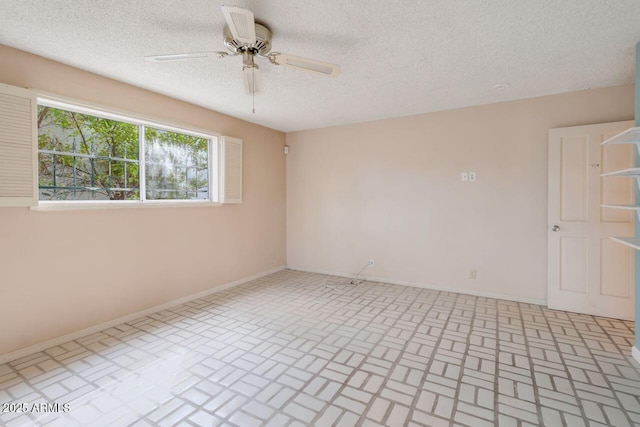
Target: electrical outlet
{"type": "Point", "coordinates": [372, 263]}
{"type": "Point", "coordinates": [473, 273]}
{"type": "Point", "coordinates": [464, 177]}
{"type": "Point", "coordinates": [472, 176]}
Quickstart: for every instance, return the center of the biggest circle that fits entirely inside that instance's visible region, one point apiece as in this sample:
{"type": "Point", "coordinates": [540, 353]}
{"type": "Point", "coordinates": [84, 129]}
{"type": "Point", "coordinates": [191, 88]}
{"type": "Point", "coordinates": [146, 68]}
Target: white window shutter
{"type": "Point", "coordinates": [18, 147]}
{"type": "Point", "coordinates": [231, 170]}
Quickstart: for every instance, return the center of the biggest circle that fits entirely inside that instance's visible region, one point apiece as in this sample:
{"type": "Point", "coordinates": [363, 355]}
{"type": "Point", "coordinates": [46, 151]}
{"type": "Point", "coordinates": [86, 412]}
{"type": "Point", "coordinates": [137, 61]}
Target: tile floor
{"type": "Point", "coordinates": [286, 350]}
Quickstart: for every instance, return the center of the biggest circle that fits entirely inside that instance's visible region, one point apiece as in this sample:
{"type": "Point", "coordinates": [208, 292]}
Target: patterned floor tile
{"type": "Point", "coordinates": [296, 349]}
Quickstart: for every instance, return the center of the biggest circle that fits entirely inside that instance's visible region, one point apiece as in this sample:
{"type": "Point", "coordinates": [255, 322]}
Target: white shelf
{"type": "Point", "coordinates": [635, 172]}
{"type": "Point", "coordinates": [624, 207]}
{"type": "Point", "coordinates": [629, 136]}
{"type": "Point", "coordinates": [633, 242]}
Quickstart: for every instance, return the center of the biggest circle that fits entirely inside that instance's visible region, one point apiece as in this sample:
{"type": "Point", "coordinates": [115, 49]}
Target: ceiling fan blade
{"type": "Point", "coordinates": [306, 64]}
{"type": "Point", "coordinates": [181, 56]}
{"type": "Point", "coordinates": [252, 79]}
{"type": "Point", "coordinates": [241, 23]}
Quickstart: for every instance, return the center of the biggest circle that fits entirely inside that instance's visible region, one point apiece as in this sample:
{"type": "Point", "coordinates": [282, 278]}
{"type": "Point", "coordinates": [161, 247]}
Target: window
{"type": "Point", "coordinates": [83, 157]}
{"type": "Point", "coordinates": [57, 155]}
{"type": "Point", "coordinates": [86, 155]}
{"type": "Point", "coordinates": [176, 165]}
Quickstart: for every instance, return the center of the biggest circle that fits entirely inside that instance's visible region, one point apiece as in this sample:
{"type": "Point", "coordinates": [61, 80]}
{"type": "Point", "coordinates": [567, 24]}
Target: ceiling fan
{"type": "Point", "coordinates": [249, 39]}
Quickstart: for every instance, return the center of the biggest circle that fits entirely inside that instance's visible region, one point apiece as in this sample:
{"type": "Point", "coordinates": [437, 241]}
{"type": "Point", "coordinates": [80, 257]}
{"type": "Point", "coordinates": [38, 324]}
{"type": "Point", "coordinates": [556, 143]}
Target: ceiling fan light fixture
{"type": "Point", "coordinates": [252, 79]}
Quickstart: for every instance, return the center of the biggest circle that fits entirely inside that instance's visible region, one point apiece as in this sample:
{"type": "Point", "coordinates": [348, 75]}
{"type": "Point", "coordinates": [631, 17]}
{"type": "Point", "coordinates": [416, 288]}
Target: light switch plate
{"type": "Point", "coordinates": [464, 177]}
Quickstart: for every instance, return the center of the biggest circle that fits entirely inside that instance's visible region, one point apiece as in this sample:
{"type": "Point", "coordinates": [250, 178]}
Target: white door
{"type": "Point", "coordinates": [588, 272]}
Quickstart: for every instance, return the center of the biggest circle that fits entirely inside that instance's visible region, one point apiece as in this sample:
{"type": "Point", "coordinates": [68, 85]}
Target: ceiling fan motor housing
{"type": "Point", "coordinates": [261, 47]}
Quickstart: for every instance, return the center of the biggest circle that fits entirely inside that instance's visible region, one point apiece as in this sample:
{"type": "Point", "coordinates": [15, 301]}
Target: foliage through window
{"type": "Point", "coordinates": [177, 165]}
{"type": "Point", "coordinates": [85, 157]}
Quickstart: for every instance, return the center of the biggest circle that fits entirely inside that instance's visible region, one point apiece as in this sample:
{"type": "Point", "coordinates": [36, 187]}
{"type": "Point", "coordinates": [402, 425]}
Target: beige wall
{"type": "Point", "coordinates": [64, 271]}
{"type": "Point", "coordinates": [391, 190]}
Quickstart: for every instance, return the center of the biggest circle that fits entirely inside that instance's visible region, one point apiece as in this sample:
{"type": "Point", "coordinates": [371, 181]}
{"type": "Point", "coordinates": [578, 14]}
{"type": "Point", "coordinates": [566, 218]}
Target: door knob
{"type": "Point", "coordinates": [555, 228]}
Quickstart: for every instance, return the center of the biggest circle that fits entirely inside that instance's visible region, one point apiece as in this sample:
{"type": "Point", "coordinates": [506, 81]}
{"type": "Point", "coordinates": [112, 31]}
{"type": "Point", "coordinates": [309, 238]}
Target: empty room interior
{"type": "Point", "coordinates": [320, 213]}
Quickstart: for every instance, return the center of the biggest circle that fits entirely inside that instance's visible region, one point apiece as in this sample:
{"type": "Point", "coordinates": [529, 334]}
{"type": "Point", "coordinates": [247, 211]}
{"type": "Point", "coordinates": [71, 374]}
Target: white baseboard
{"type": "Point", "coordinates": [635, 352]}
{"type": "Point", "coordinates": [8, 357]}
{"type": "Point", "coordinates": [535, 301]}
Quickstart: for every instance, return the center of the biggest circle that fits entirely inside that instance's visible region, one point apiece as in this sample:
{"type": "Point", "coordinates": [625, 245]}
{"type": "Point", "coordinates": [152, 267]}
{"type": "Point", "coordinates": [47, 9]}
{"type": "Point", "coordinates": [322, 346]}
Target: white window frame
{"type": "Point", "coordinates": [213, 147]}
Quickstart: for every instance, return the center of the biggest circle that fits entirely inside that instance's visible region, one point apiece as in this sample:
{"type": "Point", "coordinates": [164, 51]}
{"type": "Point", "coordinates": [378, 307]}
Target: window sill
{"type": "Point", "coordinates": [91, 205]}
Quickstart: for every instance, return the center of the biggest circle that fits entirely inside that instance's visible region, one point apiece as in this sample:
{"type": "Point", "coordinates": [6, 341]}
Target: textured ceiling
{"type": "Point", "coordinates": [398, 57]}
